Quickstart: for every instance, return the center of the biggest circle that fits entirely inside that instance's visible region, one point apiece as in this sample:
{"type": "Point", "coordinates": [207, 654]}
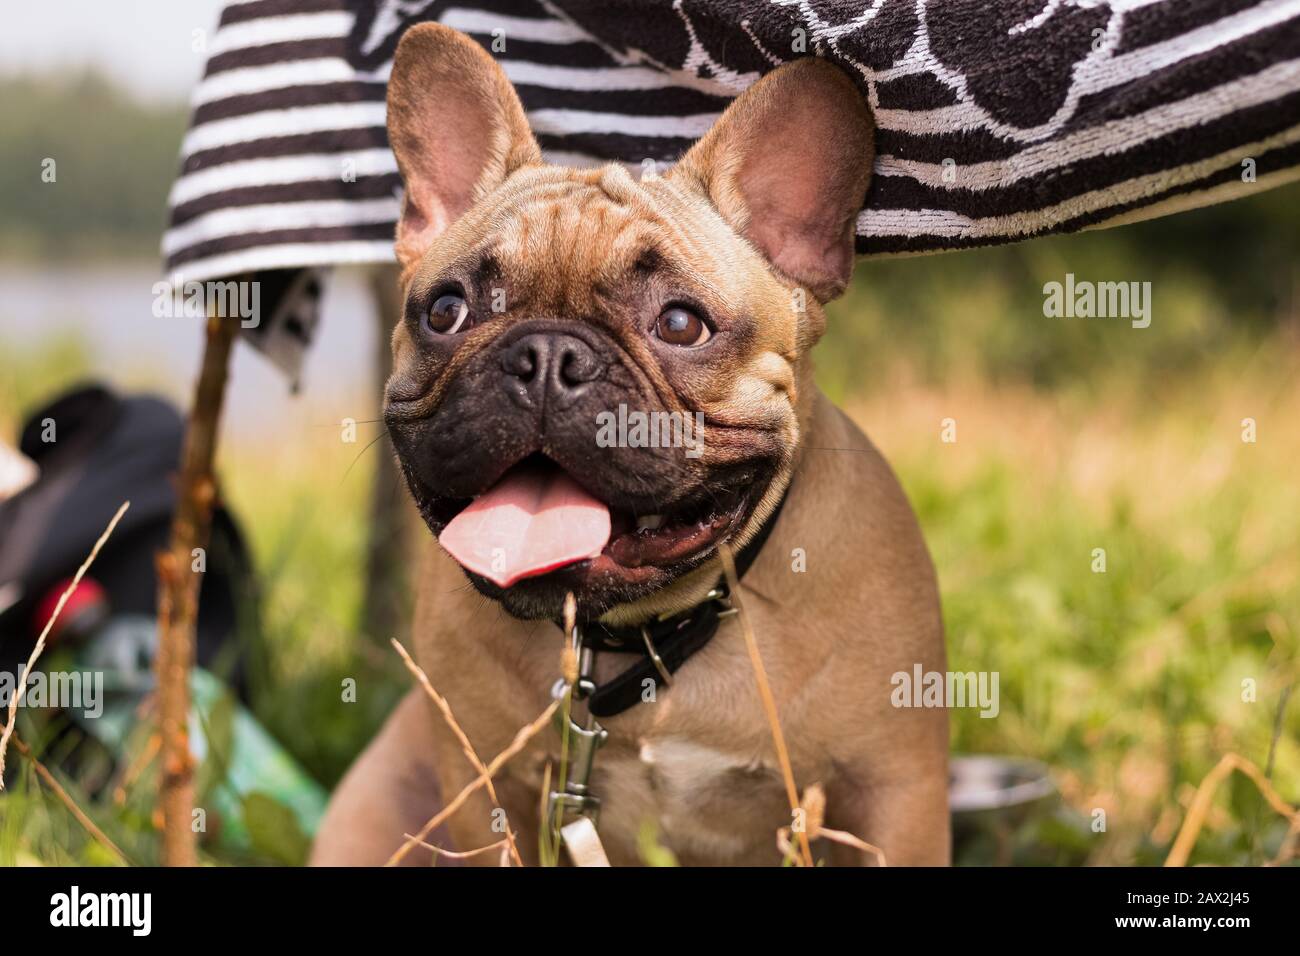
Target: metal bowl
{"type": "Point", "coordinates": [1009, 788]}
{"type": "Point", "coordinates": [996, 805]}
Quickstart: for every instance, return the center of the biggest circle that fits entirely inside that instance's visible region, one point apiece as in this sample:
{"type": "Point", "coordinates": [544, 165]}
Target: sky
{"type": "Point", "coordinates": [146, 45]}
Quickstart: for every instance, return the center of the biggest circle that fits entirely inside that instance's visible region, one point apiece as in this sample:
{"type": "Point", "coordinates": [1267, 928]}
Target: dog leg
{"type": "Point", "coordinates": [391, 789]}
{"type": "Point", "coordinates": [906, 816]}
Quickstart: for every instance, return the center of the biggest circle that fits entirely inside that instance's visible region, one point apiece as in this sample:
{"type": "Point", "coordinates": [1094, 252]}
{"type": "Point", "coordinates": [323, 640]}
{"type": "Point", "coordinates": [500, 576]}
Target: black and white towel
{"type": "Point", "coordinates": [997, 119]}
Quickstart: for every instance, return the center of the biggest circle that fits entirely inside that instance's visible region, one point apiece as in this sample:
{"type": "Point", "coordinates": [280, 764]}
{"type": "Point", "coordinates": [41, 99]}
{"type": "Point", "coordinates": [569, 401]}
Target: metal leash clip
{"type": "Point", "coordinates": [576, 800]}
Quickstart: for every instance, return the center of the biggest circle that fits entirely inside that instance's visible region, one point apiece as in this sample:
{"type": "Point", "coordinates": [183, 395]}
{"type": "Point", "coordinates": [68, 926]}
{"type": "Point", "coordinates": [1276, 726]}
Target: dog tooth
{"type": "Point", "coordinates": [650, 522]}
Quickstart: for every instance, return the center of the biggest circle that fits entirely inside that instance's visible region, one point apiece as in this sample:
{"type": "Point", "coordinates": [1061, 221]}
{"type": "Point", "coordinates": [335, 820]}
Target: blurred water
{"type": "Point", "coordinates": [110, 307]}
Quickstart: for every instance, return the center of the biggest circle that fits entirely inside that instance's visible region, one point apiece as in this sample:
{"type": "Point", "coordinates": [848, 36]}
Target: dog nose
{"type": "Point", "coordinates": [550, 367]}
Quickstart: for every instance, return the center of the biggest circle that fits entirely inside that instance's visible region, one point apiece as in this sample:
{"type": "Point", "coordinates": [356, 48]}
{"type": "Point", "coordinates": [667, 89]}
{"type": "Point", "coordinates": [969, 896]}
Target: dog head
{"type": "Point", "coordinates": [598, 378]}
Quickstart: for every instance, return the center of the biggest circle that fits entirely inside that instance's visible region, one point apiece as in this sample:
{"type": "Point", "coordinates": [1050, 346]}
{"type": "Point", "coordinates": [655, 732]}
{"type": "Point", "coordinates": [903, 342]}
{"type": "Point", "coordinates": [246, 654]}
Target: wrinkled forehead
{"type": "Point", "coordinates": [549, 227]}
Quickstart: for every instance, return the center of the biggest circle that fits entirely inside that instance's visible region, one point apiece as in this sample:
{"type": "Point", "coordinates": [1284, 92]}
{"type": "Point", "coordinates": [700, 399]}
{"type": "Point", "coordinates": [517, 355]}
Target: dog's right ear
{"type": "Point", "coordinates": [457, 128]}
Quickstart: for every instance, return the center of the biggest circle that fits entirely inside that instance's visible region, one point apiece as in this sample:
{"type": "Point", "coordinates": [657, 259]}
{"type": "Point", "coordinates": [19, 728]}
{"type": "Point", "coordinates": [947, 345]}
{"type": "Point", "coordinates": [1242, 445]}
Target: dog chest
{"type": "Point", "coordinates": [707, 804]}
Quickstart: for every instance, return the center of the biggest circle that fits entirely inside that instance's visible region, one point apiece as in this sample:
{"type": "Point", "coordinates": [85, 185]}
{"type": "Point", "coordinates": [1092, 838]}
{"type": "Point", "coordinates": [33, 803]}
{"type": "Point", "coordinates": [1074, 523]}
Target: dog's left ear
{"type": "Point", "coordinates": [787, 165]}
{"type": "Point", "coordinates": [457, 128]}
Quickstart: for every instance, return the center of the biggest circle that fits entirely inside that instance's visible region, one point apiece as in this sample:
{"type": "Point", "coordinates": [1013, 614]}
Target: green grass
{"type": "Point", "coordinates": [1127, 683]}
{"type": "Point", "coordinates": [308, 529]}
{"type": "Point", "coordinates": [1071, 437]}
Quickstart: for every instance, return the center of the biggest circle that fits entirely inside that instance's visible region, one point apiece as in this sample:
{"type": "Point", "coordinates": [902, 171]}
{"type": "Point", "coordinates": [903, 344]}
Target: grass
{"type": "Point", "coordinates": [308, 535]}
{"type": "Point", "coordinates": [1128, 683]}
{"type": "Point", "coordinates": [1131, 684]}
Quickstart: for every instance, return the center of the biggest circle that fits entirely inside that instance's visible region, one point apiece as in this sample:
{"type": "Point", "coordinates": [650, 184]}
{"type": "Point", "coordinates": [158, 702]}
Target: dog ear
{"type": "Point", "coordinates": [787, 165]}
{"type": "Point", "coordinates": [457, 128]}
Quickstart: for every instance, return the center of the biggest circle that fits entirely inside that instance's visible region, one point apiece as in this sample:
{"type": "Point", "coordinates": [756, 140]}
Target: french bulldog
{"type": "Point", "coordinates": [539, 301]}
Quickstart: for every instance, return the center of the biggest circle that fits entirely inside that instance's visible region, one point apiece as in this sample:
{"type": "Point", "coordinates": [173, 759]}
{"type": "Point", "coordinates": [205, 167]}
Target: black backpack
{"type": "Point", "coordinates": [108, 449]}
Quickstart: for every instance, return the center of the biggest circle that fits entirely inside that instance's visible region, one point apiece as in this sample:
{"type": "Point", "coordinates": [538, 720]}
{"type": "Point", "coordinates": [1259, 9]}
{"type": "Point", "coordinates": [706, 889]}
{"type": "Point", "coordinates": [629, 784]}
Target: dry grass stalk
{"type": "Point", "coordinates": [848, 839]}
{"type": "Point", "coordinates": [16, 699]}
{"type": "Point", "coordinates": [568, 656]}
{"type": "Point", "coordinates": [521, 740]}
{"type": "Point", "coordinates": [765, 694]}
{"type": "Point", "coordinates": [178, 595]}
{"type": "Point", "coordinates": [66, 799]}
{"type": "Point", "coordinates": [814, 807]}
{"type": "Point", "coordinates": [453, 855]}
{"type": "Point", "coordinates": [1202, 803]}
{"type": "Point", "coordinates": [465, 745]}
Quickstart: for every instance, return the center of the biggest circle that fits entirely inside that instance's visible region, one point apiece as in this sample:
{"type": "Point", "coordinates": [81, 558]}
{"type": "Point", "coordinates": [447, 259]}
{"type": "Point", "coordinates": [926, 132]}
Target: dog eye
{"type": "Point", "coordinates": [448, 315]}
{"type": "Point", "coordinates": [678, 326]}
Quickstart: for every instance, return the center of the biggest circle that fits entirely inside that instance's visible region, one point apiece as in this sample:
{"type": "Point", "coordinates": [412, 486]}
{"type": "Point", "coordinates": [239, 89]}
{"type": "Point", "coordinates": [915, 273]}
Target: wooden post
{"type": "Point", "coordinates": [178, 594]}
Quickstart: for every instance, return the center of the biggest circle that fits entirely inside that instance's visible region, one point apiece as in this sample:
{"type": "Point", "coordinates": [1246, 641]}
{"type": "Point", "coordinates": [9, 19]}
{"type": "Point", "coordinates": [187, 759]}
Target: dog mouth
{"type": "Point", "coordinates": [538, 519]}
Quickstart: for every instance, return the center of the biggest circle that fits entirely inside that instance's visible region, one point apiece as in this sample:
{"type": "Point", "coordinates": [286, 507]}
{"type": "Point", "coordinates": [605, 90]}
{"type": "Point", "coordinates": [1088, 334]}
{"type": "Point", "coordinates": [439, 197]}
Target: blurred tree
{"type": "Point", "coordinates": [114, 161]}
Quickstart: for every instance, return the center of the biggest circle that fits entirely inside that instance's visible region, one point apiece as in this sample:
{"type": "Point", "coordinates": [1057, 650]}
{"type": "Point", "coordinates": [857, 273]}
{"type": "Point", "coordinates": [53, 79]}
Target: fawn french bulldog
{"type": "Point", "coordinates": [541, 300]}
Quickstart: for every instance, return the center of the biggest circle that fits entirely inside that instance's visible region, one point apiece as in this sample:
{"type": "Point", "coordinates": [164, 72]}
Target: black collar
{"type": "Point", "coordinates": [674, 639]}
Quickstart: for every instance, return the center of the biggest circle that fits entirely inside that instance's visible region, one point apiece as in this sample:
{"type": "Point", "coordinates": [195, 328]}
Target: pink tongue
{"type": "Point", "coordinates": [528, 523]}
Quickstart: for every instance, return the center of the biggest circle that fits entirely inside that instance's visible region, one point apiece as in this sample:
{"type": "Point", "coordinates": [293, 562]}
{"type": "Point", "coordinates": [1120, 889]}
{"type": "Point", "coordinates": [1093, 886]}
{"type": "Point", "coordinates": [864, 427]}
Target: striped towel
{"type": "Point", "coordinates": [997, 119]}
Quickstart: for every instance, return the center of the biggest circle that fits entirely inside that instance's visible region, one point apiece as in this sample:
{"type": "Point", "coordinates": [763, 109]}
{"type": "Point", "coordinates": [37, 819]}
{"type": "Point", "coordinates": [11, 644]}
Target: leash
{"type": "Point", "coordinates": [665, 644]}
{"type": "Point", "coordinates": [571, 813]}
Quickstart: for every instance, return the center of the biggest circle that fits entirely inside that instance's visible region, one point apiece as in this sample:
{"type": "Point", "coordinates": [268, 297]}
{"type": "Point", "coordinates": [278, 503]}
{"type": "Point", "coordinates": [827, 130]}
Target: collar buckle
{"type": "Point", "coordinates": [721, 596]}
{"type": "Point", "coordinates": [660, 666]}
